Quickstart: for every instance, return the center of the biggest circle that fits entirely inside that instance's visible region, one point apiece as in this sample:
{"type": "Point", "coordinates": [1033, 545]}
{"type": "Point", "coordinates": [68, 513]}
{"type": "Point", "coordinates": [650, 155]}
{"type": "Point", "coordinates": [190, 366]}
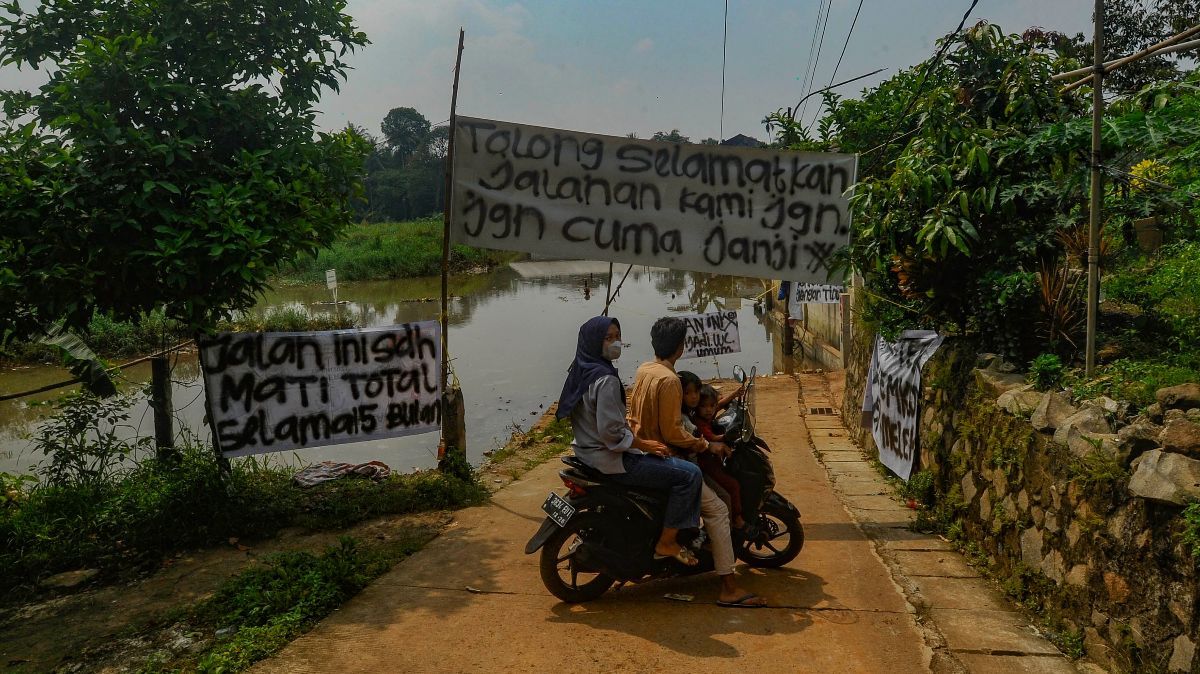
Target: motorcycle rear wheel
{"type": "Point", "coordinates": [780, 542]}
{"type": "Point", "coordinates": [557, 560]}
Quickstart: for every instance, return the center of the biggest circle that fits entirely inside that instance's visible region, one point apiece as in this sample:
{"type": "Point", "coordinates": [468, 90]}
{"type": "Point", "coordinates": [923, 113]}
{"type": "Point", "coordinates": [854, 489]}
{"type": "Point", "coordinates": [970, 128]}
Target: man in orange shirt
{"type": "Point", "coordinates": [655, 414]}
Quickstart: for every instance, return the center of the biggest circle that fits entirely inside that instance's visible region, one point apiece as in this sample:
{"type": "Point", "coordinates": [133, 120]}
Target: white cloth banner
{"type": "Point", "coordinates": [275, 391]}
{"type": "Point", "coordinates": [892, 397]}
{"type": "Point", "coordinates": [812, 293]}
{"type": "Point", "coordinates": [713, 334]}
{"type": "Point", "coordinates": [725, 210]}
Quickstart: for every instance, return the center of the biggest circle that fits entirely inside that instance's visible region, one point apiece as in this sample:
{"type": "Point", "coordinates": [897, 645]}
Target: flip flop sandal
{"type": "Point", "coordinates": [740, 602]}
{"type": "Point", "coordinates": [684, 557]}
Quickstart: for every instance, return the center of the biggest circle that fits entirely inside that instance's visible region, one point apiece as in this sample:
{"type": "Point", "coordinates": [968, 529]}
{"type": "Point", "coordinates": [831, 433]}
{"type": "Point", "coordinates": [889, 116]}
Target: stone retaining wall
{"type": "Point", "coordinates": [1075, 508]}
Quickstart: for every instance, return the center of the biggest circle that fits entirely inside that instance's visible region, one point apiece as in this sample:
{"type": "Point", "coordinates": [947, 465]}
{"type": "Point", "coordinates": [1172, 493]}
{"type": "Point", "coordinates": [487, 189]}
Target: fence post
{"type": "Point", "coordinates": [160, 402]}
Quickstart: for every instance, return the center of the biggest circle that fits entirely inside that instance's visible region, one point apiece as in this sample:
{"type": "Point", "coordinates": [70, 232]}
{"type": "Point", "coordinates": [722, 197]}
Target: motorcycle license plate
{"type": "Point", "coordinates": [557, 509]}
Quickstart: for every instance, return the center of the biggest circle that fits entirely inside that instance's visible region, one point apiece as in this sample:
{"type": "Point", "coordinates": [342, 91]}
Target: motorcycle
{"type": "Point", "coordinates": [599, 532]}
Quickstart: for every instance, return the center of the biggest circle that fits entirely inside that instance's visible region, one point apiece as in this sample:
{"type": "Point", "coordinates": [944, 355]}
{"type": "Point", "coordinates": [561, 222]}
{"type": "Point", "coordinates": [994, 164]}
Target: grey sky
{"type": "Point", "coordinates": [615, 66]}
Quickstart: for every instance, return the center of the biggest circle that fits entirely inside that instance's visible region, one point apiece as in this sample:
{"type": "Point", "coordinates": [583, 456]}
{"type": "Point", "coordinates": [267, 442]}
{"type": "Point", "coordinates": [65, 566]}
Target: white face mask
{"type": "Point", "coordinates": [613, 351]}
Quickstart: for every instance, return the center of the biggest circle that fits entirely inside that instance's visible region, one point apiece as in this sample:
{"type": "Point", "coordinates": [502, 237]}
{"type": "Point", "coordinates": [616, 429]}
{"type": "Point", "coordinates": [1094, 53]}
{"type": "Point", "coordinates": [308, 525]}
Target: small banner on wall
{"type": "Point", "coordinates": [709, 208]}
{"type": "Point", "coordinates": [276, 391]}
{"type": "Point", "coordinates": [812, 293]}
{"type": "Point", "coordinates": [892, 397]}
{"type": "Point", "coordinates": [713, 334]}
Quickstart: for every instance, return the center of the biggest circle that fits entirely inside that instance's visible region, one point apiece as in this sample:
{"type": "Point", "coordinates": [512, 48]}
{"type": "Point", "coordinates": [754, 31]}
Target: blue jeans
{"type": "Point", "coordinates": [682, 478]}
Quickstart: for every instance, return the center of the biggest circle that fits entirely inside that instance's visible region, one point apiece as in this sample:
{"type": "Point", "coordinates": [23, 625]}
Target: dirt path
{"type": "Point", "coordinates": [836, 607]}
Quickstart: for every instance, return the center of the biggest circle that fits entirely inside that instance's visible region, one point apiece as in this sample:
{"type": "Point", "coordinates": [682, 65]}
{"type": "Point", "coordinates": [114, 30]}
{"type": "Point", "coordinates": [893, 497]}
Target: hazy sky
{"type": "Point", "coordinates": [615, 66]}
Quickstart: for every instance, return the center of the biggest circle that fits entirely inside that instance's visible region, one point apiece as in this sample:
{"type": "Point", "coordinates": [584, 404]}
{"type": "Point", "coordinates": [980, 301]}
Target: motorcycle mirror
{"type": "Point", "coordinates": [739, 374]}
{"type": "Point", "coordinates": [753, 371]}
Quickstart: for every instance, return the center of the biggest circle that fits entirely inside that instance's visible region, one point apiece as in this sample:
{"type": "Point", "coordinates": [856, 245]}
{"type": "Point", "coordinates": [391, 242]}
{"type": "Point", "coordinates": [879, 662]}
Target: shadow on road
{"type": "Point", "coordinates": [695, 628]}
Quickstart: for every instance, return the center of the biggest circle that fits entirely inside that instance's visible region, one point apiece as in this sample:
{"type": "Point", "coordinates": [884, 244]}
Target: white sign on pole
{"type": "Point", "coordinates": [812, 293]}
{"type": "Point", "coordinates": [713, 334]}
{"type": "Point", "coordinates": [726, 210]}
{"type": "Point", "coordinates": [274, 391]}
{"type": "Point", "coordinates": [893, 394]}
{"type": "Point", "coordinates": [331, 279]}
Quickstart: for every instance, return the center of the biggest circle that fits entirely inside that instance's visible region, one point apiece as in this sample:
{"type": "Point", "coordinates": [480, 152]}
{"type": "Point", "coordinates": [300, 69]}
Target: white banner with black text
{"type": "Point", "coordinates": [891, 401]}
{"type": "Point", "coordinates": [275, 391]}
{"type": "Point", "coordinates": [726, 210]}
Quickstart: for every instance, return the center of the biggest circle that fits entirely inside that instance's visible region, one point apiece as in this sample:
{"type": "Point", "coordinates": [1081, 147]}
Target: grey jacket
{"type": "Point", "coordinates": [601, 433]}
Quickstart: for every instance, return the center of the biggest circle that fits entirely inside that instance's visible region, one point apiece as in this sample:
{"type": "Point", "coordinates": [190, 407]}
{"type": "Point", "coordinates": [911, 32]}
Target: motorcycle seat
{"type": "Point", "coordinates": [594, 475]}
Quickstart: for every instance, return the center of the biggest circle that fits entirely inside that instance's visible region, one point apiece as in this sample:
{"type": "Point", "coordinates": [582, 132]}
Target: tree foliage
{"type": "Point", "coordinates": [973, 183]}
{"type": "Point", "coordinates": [170, 160]}
{"type": "Point", "coordinates": [406, 168]}
{"type": "Point", "coordinates": [1132, 25]}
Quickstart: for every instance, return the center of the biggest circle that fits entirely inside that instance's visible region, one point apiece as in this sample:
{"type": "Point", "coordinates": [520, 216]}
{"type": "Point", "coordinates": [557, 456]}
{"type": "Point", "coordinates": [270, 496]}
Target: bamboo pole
{"type": "Point", "coordinates": [1103, 67]}
{"type": "Point", "coordinates": [1093, 295]}
{"type": "Point", "coordinates": [445, 318]}
{"type": "Point", "coordinates": [452, 402]}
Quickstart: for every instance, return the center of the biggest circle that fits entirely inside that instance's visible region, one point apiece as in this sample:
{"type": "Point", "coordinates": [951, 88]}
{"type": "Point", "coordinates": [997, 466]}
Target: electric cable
{"type": "Point", "coordinates": [806, 85]}
{"type": "Point", "coordinates": [724, 44]}
{"type": "Point", "coordinates": [817, 59]}
{"type": "Point", "coordinates": [933, 64]}
{"type": "Point", "coordinates": [845, 44]}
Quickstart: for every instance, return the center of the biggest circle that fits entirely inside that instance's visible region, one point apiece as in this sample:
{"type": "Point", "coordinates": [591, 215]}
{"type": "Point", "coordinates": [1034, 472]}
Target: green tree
{"type": "Point", "coordinates": [406, 131]}
{"type": "Point", "coordinates": [672, 136]}
{"type": "Point", "coordinates": [1133, 25]}
{"type": "Point", "coordinates": [170, 161]}
{"type": "Point", "coordinates": [710, 141]}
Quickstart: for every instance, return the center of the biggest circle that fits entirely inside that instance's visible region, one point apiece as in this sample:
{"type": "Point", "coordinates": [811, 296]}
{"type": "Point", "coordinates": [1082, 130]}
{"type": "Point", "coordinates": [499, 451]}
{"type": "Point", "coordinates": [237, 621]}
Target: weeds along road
{"type": "Point", "coordinates": [835, 608]}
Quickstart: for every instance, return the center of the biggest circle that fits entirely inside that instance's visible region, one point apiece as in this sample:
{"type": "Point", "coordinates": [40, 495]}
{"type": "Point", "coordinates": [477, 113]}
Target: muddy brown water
{"type": "Point", "coordinates": [512, 335]}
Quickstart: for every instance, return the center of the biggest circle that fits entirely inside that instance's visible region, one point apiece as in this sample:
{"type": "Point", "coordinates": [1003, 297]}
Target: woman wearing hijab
{"type": "Point", "coordinates": [595, 400]}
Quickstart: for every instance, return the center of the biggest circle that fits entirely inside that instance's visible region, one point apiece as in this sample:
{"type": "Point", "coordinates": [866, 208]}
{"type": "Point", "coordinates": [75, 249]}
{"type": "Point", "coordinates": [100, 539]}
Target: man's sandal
{"type": "Point", "coordinates": [684, 557]}
{"type": "Point", "coordinates": [742, 602]}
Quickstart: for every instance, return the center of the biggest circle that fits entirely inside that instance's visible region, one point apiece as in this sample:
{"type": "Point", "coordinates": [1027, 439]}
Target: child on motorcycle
{"type": "Point", "coordinates": [709, 404]}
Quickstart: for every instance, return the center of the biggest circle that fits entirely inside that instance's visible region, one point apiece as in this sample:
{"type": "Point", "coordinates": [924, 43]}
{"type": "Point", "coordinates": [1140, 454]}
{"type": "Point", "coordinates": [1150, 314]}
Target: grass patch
{"type": "Point", "coordinates": [389, 250]}
{"type": "Point", "coordinates": [259, 611]}
{"type": "Point", "coordinates": [287, 319]}
{"type": "Point", "coordinates": [527, 450]}
{"type": "Point", "coordinates": [122, 520]}
{"type": "Point", "coordinates": [1136, 380]}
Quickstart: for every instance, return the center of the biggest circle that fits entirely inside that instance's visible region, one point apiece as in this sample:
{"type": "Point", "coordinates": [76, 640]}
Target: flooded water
{"type": "Point", "coordinates": [512, 336]}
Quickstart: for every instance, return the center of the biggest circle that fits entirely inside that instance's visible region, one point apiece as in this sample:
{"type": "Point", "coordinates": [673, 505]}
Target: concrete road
{"type": "Point", "coordinates": [835, 608]}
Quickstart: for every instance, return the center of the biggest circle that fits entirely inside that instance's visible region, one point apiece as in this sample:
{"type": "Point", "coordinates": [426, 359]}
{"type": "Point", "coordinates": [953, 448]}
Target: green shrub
{"type": "Point", "coordinates": [1190, 535]}
{"type": "Point", "coordinates": [1046, 371]}
{"type": "Point", "coordinates": [106, 509]}
{"type": "Point", "coordinates": [389, 250]}
{"type": "Point", "coordinates": [288, 319]}
{"type": "Point", "coordinates": [1136, 381]}
{"type": "Point", "coordinates": [269, 605]}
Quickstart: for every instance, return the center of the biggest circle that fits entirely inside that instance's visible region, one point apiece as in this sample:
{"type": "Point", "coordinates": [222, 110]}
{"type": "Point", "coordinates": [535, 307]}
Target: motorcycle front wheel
{"type": "Point", "coordinates": [779, 538]}
{"type": "Point", "coordinates": [560, 571]}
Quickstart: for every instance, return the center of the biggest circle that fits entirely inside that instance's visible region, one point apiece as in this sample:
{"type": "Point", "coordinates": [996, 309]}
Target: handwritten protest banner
{"type": "Point", "coordinates": [274, 391]}
{"type": "Point", "coordinates": [812, 293]}
{"type": "Point", "coordinates": [726, 210]}
{"type": "Point", "coordinates": [712, 334]}
{"type": "Point", "coordinates": [892, 397]}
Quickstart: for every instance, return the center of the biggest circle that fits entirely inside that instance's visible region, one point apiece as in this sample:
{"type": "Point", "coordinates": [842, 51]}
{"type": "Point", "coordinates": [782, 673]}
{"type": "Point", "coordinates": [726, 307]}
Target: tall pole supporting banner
{"type": "Point", "coordinates": [1093, 293]}
{"type": "Point", "coordinates": [453, 409]}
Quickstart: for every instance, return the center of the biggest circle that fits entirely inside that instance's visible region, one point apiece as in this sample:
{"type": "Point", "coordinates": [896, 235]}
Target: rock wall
{"type": "Point", "coordinates": [1076, 508]}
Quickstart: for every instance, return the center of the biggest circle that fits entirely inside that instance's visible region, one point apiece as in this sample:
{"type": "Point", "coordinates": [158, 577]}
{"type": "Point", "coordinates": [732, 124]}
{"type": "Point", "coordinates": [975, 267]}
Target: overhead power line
{"type": "Point", "coordinates": [933, 65]}
{"type": "Point", "coordinates": [806, 85]}
{"type": "Point", "coordinates": [845, 44]}
{"type": "Point", "coordinates": [820, 46]}
{"type": "Point", "coordinates": [724, 43]}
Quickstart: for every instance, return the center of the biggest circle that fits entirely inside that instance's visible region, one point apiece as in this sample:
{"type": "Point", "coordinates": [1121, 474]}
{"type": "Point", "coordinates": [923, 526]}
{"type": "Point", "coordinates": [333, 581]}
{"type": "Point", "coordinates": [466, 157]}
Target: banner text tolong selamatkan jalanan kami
{"type": "Point", "coordinates": [729, 210]}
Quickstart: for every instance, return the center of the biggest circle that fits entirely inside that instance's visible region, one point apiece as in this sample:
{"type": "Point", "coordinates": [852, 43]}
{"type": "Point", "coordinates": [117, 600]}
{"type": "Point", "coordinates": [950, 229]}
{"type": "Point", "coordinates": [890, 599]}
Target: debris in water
{"type": "Point", "coordinates": [678, 597]}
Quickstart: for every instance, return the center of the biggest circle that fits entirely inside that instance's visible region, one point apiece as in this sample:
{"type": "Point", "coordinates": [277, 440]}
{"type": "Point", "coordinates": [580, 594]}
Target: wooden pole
{"type": "Point", "coordinates": [446, 216]}
{"type": "Point", "coordinates": [1167, 46]}
{"type": "Point", "coordinates": [608, 290]}
{"type": "Point", "coordinates": [453, 412]}
{"type": "Point", "coordinates": [1093, 295]}
{"type": "Point", "coordinates": [160, 402]}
